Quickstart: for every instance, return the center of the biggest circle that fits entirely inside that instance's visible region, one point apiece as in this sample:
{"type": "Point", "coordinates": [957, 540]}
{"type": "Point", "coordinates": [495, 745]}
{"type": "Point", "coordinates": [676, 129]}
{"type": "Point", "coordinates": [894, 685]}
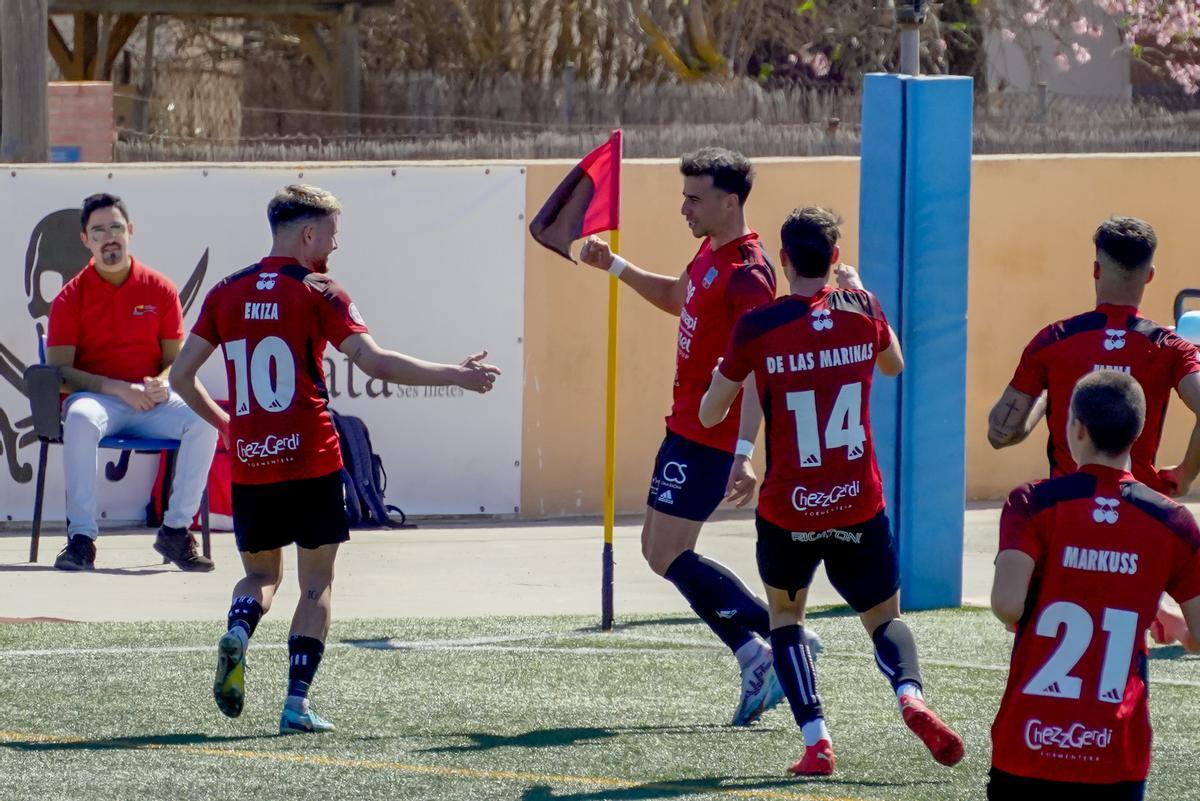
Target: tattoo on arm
{"type": "Point", "coordinates": [1012, 418]}
{"type": "Point", "coordinates": [312, 595]}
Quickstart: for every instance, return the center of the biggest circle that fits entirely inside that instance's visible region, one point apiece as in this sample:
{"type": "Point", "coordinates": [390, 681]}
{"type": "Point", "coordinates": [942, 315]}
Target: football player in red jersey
{"type": "Point", "coordinates": [273, 321]}
{"type": "Point", "coordinates": [810, 357]}
{"type": "Point", "coordinates": [1112, 337]}
{"type": "Point", "coordinates": [729, 274]}
{"type": "Point", "coordinates": [1084, 559]}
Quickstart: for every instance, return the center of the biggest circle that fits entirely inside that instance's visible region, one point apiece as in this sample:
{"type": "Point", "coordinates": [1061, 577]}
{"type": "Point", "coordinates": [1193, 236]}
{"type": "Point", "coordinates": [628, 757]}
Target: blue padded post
{"type": "Point", "coordinates": [880, 218]}
{"type": "Point", "coordinates": [915, 203]}
{"type": "Point", "coordinates": [937, 205]}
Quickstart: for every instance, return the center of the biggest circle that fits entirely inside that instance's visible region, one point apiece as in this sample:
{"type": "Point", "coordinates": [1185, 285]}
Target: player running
{"type": "Point", "coordinates": [728, 275]}
{"type": "Point", "coordinates": [1112, 337]}
{"type": "Point", "coordinates": [273, 321]}
{"type": "Point", "coordinates": [811, 356]}
{"type": "Point", "coordinates": [1083, 560]}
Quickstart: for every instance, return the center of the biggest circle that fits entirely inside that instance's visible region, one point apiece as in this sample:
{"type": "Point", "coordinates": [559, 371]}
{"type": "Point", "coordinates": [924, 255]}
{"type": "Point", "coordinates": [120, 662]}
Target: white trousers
{"type": "Point", "coordinates": [90, 416]}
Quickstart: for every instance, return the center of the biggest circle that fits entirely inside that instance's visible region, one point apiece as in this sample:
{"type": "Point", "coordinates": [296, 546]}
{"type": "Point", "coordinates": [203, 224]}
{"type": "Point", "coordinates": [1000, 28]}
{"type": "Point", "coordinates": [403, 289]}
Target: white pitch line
{"type": "Point", "coordinates": [508, 644]}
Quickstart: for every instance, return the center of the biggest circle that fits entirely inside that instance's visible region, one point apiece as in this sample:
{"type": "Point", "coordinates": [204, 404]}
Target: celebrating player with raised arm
{"type": "Point", "coordinates": [810, 357]}
{"type": "Point", "coordinates": [273, 320]}
{"type": "Point", "coordinates": [728, 275]}
{"type": "Point", "coordinates": [1084, 559]}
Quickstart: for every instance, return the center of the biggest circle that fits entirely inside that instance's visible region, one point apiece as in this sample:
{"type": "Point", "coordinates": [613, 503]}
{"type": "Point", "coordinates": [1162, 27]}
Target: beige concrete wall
{"type": "Point", "coordinates": [1032, 220]}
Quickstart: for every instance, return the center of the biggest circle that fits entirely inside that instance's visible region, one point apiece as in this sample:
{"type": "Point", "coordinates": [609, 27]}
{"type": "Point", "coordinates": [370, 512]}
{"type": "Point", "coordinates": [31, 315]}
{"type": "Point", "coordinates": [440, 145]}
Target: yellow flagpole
{"type": "Point", "coordinates": [610, 449]}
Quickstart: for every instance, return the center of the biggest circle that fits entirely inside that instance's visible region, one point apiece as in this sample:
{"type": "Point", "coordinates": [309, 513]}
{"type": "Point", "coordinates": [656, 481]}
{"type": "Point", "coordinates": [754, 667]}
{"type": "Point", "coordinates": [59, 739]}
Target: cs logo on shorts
{"type": "Point", "coordinates": [675, 473]}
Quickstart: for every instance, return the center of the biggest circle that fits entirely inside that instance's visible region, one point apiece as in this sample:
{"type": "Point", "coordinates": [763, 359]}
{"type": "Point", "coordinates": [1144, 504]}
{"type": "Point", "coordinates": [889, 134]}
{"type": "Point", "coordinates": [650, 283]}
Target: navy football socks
{"type": "Point", "coordinates": [720, 598]}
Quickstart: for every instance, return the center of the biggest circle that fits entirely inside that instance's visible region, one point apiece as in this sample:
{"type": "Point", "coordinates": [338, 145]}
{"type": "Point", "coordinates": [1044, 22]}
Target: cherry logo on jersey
{"type": "Point", "coordinates": [1115, 340]}
{"type": "Point", "coordinates": [1105, 511]}
{"type": "Point", "coordinates": [266, 280]}
{"type": "Point", "coordinates": [803, 500]}
{"type": "Point", "coordinates": [822, 320]}
{"type": "Point", "coordinates": [270, 446]}
{"type": "Point", "coordinates": [1075, 737]}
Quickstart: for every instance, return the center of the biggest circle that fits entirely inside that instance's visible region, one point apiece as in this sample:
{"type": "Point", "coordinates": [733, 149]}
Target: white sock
{"type": "Point", "coordinates": [909, 689]}
{"type": "Point", "coordinates": [751, 652]}
{"type": "Point", "coordinates": [296, 704]}
{"type": "Point", "coordinates": [815, 731]}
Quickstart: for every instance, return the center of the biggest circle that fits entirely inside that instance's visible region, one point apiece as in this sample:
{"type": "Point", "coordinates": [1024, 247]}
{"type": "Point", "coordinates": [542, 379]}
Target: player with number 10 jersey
{"type": "Point", "coordinates": [274, 320]}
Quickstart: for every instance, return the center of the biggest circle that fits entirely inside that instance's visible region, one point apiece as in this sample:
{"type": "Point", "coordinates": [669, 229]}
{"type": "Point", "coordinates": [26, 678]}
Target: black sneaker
{"type": "Point", "coordinates": [177, 545]}
{"type": "Point", "coordinates": [80, 554]}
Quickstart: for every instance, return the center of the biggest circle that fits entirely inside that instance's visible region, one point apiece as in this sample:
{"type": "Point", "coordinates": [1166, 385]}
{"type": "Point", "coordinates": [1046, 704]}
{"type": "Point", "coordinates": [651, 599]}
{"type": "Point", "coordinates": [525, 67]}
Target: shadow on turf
{"type": "Point", "coordinates": [129, 743]}
{"type": "Point", "coordinates": [550, 738]}
{"type": "Point", "coordinates": [148, 570]}
{"type": "Point", "coordinates": [687, 787]}
{"type": "Point", "coordinates": [636, 624]}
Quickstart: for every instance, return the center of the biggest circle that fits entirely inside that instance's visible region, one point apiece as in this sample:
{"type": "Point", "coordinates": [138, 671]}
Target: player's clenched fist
{"type": "Point", "coordinates": [475, 375]}
{"type": "Point", "coordinates": [596, 253]}
{"type": "Point", "coordinates": [847, 277]}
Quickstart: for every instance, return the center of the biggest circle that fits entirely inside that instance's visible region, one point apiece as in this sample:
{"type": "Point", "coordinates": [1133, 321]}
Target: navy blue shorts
{"type": "Point", "coordinates": [310, 512]}
{"type": "Point", "coordinates": [862, 561]}
{"type": "Point", "coordinates": [1007, 787]}
{"type": "Point", "coordinates": [689, 478]}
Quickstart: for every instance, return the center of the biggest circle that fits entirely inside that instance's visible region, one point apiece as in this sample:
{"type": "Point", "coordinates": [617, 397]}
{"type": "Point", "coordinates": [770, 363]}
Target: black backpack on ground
{"type": "Point", "coordinates": [364, 477]}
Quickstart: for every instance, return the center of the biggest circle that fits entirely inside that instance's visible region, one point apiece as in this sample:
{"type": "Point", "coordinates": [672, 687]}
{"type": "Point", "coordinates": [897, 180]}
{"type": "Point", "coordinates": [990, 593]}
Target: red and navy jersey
{"type": "Point", "coordinates": [273, 320]}
{"type": "Point", "coordinates": [1105, 548]}
{"type": "Point", "coordinates": [1109, 338]}
{"type": "Point", "coordinates": [722, 284]}
{"type": "Point", "coordinates": [813, 360]}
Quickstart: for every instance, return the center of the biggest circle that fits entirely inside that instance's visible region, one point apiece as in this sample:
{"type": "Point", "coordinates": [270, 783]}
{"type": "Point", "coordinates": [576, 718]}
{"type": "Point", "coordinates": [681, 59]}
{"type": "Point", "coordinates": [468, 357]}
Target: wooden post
{"type": "Point", "coordinates": [99, 67]}
{"type": "Point", "coordinates": [24, 134]}
{"type": "Point", "coordinates": [349, 63]}
{"type": "Point", "coordinates": [147, 88]}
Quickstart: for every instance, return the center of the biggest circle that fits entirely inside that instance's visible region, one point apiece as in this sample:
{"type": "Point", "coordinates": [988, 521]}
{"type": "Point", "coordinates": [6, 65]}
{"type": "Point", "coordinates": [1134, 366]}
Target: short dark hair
{"type": "Point", "coordinates": [1112, 407]}
{"type": "Point", "coordinates": [809, 236]}
{"type": "Point", "coordinates": [1128, 241]}
{"type": "Point", "coordinates": [730, 170]}
{"type": "Point", "coordinates": [100, 200]}
{"type": "Point", "coordinates": [300, 202]}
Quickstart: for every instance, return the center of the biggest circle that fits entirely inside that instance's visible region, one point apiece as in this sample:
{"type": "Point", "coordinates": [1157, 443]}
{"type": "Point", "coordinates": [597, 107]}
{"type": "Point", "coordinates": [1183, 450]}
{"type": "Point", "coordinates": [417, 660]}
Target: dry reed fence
{"type": "Point", "coordinates": [432, 117]}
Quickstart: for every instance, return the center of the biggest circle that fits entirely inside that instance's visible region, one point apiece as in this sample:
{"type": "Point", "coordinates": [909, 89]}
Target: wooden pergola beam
{"type": "Point", "coordinates": [59, 49]}
{"type": "Point", "coordinates": [122, 29]}
{"type": "Point", "coordinates": [215, 8]}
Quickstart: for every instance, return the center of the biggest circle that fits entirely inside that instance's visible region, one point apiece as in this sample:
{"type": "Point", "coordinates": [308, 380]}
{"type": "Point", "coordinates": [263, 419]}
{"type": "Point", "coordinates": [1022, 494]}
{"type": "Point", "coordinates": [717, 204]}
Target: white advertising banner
{"type": "Point", "coordinates": [433, 257]}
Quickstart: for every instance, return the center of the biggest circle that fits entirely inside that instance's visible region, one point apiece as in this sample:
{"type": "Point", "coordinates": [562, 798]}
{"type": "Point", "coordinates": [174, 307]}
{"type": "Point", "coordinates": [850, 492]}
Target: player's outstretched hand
{"type": "Point", "coordinates": [740, 488]}
{"type": "Point", "coordinates": [476, 375]}
{"type": "Point", "coordinates": [847, 277]}
{"type": "Point", "coordinates": [596, 253]}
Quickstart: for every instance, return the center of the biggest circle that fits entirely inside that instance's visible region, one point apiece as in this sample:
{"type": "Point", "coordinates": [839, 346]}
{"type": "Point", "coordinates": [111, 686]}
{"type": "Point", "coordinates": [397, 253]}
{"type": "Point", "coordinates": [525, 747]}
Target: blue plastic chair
{"type": "Point", "coordinates": [43, 383]}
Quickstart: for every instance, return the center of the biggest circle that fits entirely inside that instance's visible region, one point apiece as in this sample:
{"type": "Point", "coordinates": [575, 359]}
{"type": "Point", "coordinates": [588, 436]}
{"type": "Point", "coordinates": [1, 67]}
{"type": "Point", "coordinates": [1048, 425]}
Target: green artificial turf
{"type": "Point", "coordinates": [505, 708]}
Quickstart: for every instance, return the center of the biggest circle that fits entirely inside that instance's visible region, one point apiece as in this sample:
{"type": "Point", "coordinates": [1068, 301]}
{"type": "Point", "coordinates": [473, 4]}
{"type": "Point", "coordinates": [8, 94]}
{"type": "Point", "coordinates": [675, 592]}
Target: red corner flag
{"type": "Point", "coordinates": [586, 202]}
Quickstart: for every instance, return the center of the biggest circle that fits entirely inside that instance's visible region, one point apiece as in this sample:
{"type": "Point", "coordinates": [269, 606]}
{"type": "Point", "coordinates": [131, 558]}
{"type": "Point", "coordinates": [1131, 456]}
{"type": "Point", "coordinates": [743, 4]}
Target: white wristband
{"type": "Point", "coordinates": [744, 448]}
{"type": "Point", "coordinates": [617, 267]}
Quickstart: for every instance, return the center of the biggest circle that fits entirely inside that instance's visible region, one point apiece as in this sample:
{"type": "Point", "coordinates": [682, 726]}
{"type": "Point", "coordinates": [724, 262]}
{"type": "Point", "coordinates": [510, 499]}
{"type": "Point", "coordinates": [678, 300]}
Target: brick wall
{"type": "Point", "coordinates": [81, 115]}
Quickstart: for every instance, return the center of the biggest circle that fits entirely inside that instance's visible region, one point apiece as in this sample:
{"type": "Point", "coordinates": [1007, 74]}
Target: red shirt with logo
{"type": "Point", "coordinates": [1109, 338]}
{"type": "Point", "coordinates": [813, 360]}
{"type": "Point", "coordinates": [117, 331]}
{"type": "Point", "coordinates": [722, 284]}
{"type": "Point", "coordinates": [1105, 548]}
{"type": "Point", "coordinates": [273, 320]}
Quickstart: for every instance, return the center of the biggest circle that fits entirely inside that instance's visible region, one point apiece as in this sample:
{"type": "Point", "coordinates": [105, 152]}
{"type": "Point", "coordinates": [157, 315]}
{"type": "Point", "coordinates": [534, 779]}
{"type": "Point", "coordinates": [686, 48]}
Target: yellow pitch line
{"type": "Point", "coordinates": [431, 770]}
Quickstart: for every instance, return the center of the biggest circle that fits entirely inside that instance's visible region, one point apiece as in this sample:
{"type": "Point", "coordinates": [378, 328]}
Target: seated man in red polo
{"type": "Point", "coordinates": [115, 329]}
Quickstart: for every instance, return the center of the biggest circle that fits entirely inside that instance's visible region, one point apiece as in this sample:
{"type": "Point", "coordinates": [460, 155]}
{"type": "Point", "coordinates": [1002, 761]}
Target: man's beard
{"type": "Point", "coordinates": [111, 257]}
{"type": "Point", "coordinates": [321, 265]}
